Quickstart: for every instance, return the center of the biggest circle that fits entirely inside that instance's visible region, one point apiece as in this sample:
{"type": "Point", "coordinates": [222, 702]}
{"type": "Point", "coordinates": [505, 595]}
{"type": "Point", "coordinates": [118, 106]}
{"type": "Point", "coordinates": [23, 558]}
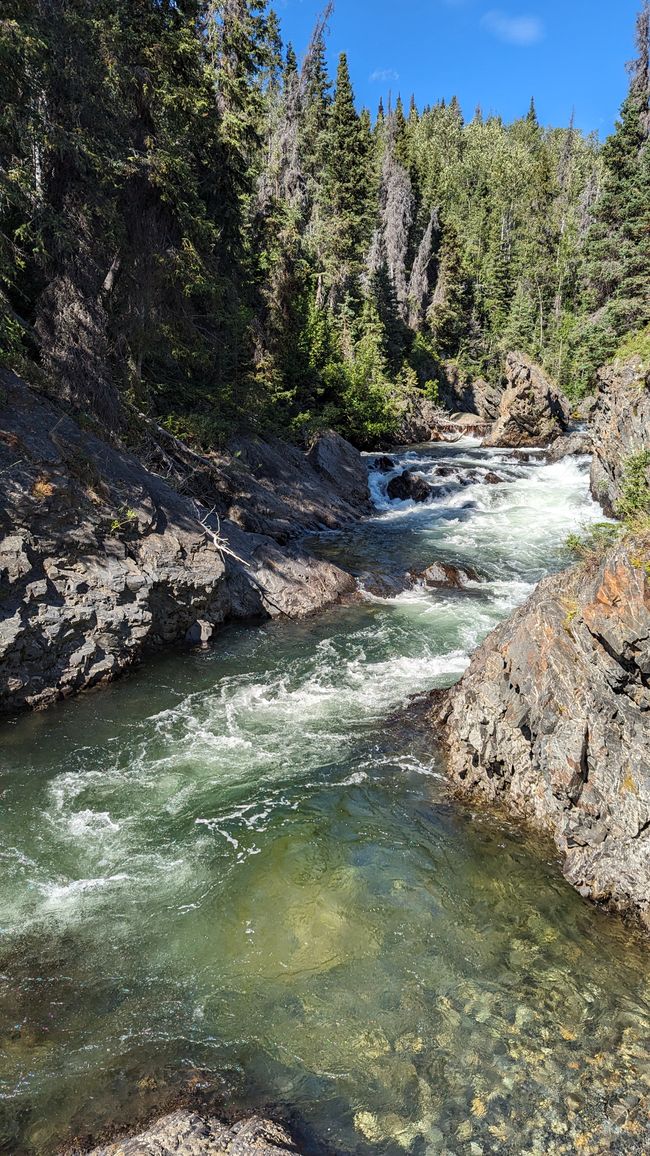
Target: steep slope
{"type": "Point", "coordinates": [102, 560]}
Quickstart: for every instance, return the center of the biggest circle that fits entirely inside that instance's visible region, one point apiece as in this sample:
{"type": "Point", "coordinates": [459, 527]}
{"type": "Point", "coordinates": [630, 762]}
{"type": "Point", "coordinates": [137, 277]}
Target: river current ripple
{"type": "Point", "coordinates": [235, 871]}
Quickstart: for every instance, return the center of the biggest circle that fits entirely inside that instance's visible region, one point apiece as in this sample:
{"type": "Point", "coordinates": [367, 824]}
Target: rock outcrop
{"type": "Point", "coordinates": [486, 399]}
{"type": "Point", "coordinates": [620, 425]}
{"type": "Point", "coordinates": [103, 561]}
{"type": "Point", "coordinates": [572, 445]}
{"type": "Point", "coordinates": [187, 1134]}
{"type": "Point", "coordinates": [418, 419]}
{"type": "Point", "coordinates": [531, 411]}
{"type": "Point", "coordinates": [552, 720]}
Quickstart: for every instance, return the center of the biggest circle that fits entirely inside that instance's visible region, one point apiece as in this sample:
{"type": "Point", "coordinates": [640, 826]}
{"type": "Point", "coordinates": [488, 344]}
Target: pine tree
{"type": "Point", "coordinates": [618, 254]}
{"type": "Point", "coordinates": [346, 183]}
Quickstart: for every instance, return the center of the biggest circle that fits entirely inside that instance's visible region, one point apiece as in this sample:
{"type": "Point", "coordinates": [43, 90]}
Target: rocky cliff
{"type": "Point", "coordinates": [103, 560]}
{"type": "Point", "coordinates": [532, 412]}
{"type": "Point", "coordinates": [620, 424]}
{"type": "Point", "coordinates": [552, 720]}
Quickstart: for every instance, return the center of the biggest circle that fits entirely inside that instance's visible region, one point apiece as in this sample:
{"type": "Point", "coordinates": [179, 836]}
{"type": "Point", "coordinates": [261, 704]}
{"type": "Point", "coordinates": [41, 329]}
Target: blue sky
{"type": "Point", "coordinates": [496, 53]}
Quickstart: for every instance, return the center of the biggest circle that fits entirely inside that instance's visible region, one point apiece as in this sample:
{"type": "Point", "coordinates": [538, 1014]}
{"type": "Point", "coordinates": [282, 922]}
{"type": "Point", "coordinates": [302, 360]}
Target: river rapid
{"type": "Point", "coordinates": [240, 870]}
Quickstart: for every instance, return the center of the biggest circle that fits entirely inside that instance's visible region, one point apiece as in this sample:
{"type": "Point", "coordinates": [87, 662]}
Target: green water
{"type": "Point", "coordinates": [237, 877]}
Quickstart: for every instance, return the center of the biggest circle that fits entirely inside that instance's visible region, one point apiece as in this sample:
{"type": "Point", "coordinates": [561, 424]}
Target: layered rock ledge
{"type": "Point", "coordinates": [187, 1134]}
{"type": "Point", "coordinates": [552, 720]}
{"type": "Point", "coordinates": [103, 560]}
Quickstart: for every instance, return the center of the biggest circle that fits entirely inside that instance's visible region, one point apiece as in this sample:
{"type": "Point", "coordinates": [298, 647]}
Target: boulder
{"type": "Point", "coordinates": [409, 487]}
{"type": "Point", "coordinates": [552, 721]}
{"type": "Point", "coordinates": [383, 464]}
{"type": "Point", "coordinates": [187, 1134]}
{"type": "Point", "coordinates": [620, 425]}
{"type": "Point", "coordinates": [442, 574]}
{"type": "Point", "coordinates": [532, 412]}
{"type": "Point", "coordinates": [492, 479]}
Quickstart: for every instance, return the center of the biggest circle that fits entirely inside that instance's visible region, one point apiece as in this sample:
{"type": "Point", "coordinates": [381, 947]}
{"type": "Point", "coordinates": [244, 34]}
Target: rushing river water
{"type": "Point", "coordinates": [236, 869]}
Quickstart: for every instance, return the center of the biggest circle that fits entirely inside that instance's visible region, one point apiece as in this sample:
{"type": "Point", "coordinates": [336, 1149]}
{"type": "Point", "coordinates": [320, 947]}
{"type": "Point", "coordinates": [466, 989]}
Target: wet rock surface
{"type": "Point", "coordinates": [620, 425]}
{"type": "Point", "coordinates": [187, 1134]}
{"type": "Point", "coordinates": [408, 487]}
{"type": "Point", "coordinates": [552, 719]}
{"type": "Point", "coordinates": [532, 412]}
{"type": "Point", "coordinates": [579, 442]}
{"type": "Point", "coordinates": [103, 561]}
{"type": "Point", "coordinates": [442, 574]}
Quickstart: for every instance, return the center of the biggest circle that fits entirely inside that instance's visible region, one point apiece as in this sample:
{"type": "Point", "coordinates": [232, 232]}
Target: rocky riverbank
{"type": "Point", "coordinates": [103, 560]}
{"type": "Point", "coordinates": [552, 720]}
{"type": "Point", "coordinates": [187, 1134]}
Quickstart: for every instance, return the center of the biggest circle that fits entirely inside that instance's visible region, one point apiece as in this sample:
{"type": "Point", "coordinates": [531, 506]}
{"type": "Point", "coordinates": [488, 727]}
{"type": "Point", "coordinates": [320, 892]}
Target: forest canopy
{"type": "Point", "coordinates": [196, 225]}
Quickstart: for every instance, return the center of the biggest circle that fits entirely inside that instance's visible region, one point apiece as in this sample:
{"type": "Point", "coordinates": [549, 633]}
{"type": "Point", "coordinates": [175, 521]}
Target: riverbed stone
{"type": "Point", "coordinates": [409, 487]}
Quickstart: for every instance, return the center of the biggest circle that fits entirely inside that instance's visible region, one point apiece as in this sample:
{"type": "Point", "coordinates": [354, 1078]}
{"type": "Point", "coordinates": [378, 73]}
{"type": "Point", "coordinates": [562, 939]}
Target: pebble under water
{"type": "Point", "coordinates": [240, 870]}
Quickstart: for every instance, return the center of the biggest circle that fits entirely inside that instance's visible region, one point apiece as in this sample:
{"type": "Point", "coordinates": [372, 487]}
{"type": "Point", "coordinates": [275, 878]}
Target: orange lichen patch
{"type": "Point", "coordinates": [42, 489]}
{"type": "Point", "coordinates": [9, 439]}
{"type": "Point", "coordinates": [628, 783]}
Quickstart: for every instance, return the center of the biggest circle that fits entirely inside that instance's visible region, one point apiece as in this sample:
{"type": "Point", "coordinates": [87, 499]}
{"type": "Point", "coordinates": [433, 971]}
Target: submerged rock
{"type": "Point", "coordinates": [552, 720]}
{"type": "Point", "coordinates": [187, 1134]}
{"type": "Point", "coordinates": [532, 412]}
{"type": "Point", "coordinates": [409, 487]}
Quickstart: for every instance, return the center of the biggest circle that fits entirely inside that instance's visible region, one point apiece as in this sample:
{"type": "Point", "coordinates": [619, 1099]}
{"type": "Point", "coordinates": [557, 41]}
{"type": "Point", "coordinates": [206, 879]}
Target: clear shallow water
{"type": "Point", "coordinates": [239, 869]}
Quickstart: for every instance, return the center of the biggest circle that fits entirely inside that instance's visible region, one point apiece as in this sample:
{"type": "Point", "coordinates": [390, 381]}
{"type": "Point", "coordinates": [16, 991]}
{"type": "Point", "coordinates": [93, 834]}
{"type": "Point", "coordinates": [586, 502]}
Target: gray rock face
{"type": "Point", "coordinates": [343, 467]}
{"type": "Point", "coordinates": [580, 442]}
{"type": "Point", "coordinates": [102, 561]}
{"type": "Point", "coordinates": [552, 720]}
{"type": "Point", "coordinates": [486, 399]}
{"type": "Point", "coordinates": [186, 1134]}
{"type": "Point", "coordinates": [531, 411]}
{"type": "Point", "coordinates": [620, 425]}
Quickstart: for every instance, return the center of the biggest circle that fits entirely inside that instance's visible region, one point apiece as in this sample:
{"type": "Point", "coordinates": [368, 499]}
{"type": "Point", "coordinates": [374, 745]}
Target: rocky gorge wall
{"type": "Point", "coordinates": [552, 719]}
{"type": "Point", "coordinates": [103, 560]}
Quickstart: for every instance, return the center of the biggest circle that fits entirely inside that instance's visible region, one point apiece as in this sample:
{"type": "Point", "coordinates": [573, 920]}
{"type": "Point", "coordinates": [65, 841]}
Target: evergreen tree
{"type": "Point", "coordinates": [346, 179]}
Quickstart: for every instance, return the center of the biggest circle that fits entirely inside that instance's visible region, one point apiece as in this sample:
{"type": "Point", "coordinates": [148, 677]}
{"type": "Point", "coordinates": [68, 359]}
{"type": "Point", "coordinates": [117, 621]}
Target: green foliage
{"type": "Point", "coordinates": [635, 345]}
{"type": "Point", "coordinates": [634, 503]}
{"type": "Point", "coordinates": [595, 542]}
{"type": "Point", "coordinates": [192, 223]}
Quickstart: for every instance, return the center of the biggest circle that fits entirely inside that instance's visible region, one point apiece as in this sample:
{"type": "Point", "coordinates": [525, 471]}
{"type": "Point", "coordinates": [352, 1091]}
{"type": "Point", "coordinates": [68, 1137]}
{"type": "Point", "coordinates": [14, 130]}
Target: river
{"type": "Point", "coordinates": [240, 870]}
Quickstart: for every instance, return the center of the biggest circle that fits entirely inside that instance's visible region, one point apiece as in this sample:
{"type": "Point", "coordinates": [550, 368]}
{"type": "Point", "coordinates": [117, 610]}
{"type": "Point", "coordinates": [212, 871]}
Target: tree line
{"type": "Point", "coordinates": [197, 225]}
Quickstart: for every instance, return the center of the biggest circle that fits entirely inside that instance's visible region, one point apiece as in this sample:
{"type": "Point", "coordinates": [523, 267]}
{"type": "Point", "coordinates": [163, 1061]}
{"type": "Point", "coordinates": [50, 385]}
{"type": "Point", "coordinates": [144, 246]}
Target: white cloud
{"type": "Point", "coordinates": [521, 30]}
{"type": "Point", "coordinates": [383, 74]}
